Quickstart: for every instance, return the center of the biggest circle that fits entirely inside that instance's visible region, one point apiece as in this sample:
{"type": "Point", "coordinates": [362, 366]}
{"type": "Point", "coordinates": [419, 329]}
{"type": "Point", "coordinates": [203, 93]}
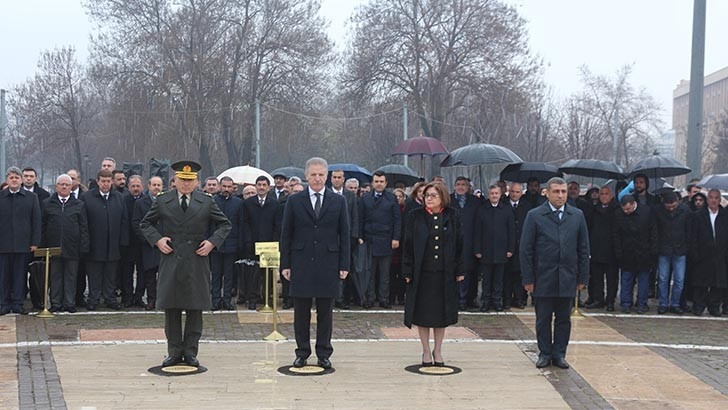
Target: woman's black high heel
{"type": "Point", "coordinates": [437, 364]}
{"type": "Point", "coordinates": [424, 363]}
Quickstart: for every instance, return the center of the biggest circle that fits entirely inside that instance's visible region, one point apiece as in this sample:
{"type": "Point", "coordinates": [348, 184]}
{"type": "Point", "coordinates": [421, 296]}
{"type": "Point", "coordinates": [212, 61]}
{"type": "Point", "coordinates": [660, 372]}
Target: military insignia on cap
{"type": "Point", "coordinates": [186, 169]}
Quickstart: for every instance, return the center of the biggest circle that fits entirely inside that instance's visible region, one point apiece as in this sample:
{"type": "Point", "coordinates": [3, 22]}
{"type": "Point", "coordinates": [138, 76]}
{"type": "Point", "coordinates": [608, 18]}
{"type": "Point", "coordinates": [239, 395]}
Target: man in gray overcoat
{"type": "Point", "coordinates": [178, 224]}
{"type": "Point", "coordinates": [554, 265]}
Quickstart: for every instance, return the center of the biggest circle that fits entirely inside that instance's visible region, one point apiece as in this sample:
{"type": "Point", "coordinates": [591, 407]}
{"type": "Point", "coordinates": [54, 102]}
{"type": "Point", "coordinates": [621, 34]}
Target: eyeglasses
{"type": "Point", "coordinates": [432, 196]}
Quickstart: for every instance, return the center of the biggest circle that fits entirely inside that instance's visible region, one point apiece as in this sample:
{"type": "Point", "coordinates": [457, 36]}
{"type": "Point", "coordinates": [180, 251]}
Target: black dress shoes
{"type": "Point", "coordinates": [172, 361]}
{"type": "Point", "coordinates": [192, 361]}
{"type": "Point", "coordinates": [324, 362]}
{"type": "Point", "coordinates": [228, 306]}
{"type": "Point", "coordinates": [560, 362]}
{"type": "Point", "coordinates": [299, 362]}
{"type": "Point", "coordinates": [542, 362]}
{"type": "Point", "coordinates": [251, 306]}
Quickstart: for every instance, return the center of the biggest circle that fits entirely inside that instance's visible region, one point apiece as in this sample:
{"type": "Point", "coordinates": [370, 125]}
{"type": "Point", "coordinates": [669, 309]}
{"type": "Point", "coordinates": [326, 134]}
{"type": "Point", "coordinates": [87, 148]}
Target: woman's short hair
{"type": "Point", "coordinates": [441, 190]}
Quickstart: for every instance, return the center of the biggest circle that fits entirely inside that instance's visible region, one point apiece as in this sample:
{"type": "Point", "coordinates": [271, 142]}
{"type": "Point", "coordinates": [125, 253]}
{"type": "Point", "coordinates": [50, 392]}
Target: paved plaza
{"type": "Point", "coordinates": [100, 360]}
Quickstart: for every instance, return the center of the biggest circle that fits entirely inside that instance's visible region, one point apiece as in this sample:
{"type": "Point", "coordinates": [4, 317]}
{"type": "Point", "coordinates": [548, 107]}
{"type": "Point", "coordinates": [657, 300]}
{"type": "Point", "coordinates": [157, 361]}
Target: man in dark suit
{"type": "Point", "coordinates": [554, 265]}
{"type": "Point", "coordinates": [131, 260]}
{"type": "Point", "coordinates": [149, 254]}
{"type": "Point", "coordinates": [65, 226]}
{"type": "Point", "coordinates": [337, 186]}
{"type": "Point", "coordinates": [108, 232]}
{"type": "Point", "coordinates": [380, 228]}
{"type": "Point", "coordinates": [223, 258]}
{"type": "Point", "coordinates": [20, 218]}
{"type": "Point", "coordinates": [262, 224]}
{"type": "Point", "coordinates": [600, 222]}
{"type": "Point", "coordinates": [30, 183]}
{"type": "Point", "coordinates": [493, 243]}
{"type": "Point", "coordinates": [178, 224]}
{"type": "Point", "coordinates": [514, 295]}
{"type": "Point", "coordinates": [314, 257]}
{"type": "Point", "coordinates": [468, 205]}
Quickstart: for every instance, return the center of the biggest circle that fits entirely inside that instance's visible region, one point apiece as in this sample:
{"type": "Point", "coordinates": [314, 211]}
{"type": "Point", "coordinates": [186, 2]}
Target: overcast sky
{"type": "Point", "coordinates": [654, 35]}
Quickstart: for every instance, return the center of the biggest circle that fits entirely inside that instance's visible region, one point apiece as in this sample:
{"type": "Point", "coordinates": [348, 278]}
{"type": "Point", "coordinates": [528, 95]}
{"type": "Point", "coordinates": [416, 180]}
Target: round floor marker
{"type": "Point", "coordinates": [309, 370]}
{"type": "Point", "coordinates": [177, 370]}
{"type": "Point", "coordinates": [433, 370]}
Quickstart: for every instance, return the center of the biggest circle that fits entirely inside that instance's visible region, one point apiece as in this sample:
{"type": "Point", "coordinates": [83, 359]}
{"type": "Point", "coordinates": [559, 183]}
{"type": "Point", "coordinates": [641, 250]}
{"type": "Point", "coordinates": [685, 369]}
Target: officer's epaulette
{"type": "Point", "coordinates": [208, 194]}
{"type": "Point", "coordinates": [162, 193]}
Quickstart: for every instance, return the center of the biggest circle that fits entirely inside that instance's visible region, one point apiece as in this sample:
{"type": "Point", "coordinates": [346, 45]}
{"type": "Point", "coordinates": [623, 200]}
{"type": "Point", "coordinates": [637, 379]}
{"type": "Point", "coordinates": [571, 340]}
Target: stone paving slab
{"type": "Point", "coordinates": [121, 334]}
{"type": "Point", "coordinates": [625, 376]}
{"type": "Point", "coordinates": [368, 375]}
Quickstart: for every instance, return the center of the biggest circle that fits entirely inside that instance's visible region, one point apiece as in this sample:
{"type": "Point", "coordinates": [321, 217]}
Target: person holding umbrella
{"type": "Point", "coordinates": [432, 266]}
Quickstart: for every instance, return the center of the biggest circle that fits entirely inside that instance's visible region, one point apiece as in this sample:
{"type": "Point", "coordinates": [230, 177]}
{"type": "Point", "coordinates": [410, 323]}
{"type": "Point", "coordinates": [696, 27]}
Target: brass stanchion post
{"type": "Point", "coordinates": [275, 335]}
{"type": "Point", "coordinates": [47, 253]}
{"type": "Point", "coordinates": [576, 314]}
{"type": "Point", "coordinates": [266, 308]}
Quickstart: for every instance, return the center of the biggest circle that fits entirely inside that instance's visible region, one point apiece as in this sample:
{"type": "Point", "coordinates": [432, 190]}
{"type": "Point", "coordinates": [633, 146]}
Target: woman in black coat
{"type": "Point", "coordinates": [432, 265]}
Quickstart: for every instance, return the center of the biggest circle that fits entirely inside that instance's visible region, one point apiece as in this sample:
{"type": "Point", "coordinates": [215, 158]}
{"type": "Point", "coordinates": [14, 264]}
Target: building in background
{"type": "Point", "coordinates": [715, 110]}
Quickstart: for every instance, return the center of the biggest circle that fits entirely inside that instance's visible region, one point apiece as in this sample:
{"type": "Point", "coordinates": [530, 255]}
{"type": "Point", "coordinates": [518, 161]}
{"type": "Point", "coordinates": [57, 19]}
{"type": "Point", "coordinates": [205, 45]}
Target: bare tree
{"type": "Point", "coordinates": [54, 111]}
{"type": "Point", "coordinates": [437, 54]}
{"type": "Point", "coordinates": [203, 63]}
{"type": "Point", "coordinates": [631, 113]}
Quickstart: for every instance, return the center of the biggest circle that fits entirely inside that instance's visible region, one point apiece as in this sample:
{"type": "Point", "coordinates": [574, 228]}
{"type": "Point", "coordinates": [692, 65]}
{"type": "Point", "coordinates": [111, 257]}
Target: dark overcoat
{"type": "Point", "coordinates": [708, 253]}
{"type": "Point", "coordinates": [150, 253]}
{"type": "Point", "coordinates": [495, 233]}
{"type": "Point", "coordinates": [315, 249]}
{"type": "Point", "coordinates": [65, 226]}
{"type": "Point", "coordinates": [672, 230]}
{"type": "Point", "coordinates": [600, 223]}
{"type": "Point", "coordinates": [107, 224]}
{"type": "Point", "coordinates": [414, 251]}
{"type": "Point", "coordinates": [184, 277]}
{"type": "Point", "coordinates": [232, 207]}
{"type": "Point", "coordinates": [634, 238]}
{"type": "Point", "coordinates": [380, 222]}
{"type": "Point", "coordinates": [468, 215]}
{"type": "Point", "coordinates": [519, 216]}
{"type": "Point", "coordinates": [555, 253]}
{"type": "Point", "coordinates": [20, 221]}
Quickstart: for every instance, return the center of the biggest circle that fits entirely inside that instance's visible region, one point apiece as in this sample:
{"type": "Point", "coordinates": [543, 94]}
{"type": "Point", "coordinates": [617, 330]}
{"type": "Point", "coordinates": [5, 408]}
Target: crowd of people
{"type": "Point", "coordinates": [673, 249]}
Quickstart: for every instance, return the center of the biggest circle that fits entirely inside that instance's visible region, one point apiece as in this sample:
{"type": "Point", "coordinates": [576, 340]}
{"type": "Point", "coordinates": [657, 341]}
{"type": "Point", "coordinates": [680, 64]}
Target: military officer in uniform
{"type": "Point", "coordinates": [177, 224]}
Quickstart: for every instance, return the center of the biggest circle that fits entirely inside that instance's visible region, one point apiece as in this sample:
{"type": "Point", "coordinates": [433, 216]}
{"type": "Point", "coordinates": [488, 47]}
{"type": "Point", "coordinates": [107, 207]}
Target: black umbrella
{"type": "Point", "coordinates": [717, 181]}
{"type": "Point", "coordinates": [289, 172]}
{"type": "Point", "coordinates": [399, 173]}
{"type": "Point", "coordinates": [593, 168]}
{"type": "Point", "coordinates": [658, 166]}
{"type": "Point", "coordinates": [524, 171]}
{"type": "Point", "coordinates": [480, 154]}
{"type": "Point", "coordinates": [350, 171]}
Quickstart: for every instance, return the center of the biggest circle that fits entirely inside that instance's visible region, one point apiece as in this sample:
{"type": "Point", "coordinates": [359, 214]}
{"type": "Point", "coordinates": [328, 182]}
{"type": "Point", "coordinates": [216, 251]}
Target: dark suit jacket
{"type": "Point", "coordinates": [184, 277]}
{"type": "Point", "coordinates": [40, 192]}
{"type": "Point", "coordinates": [262, 224]}
{"type": "Point", "coordinates": [150, 254]}
{"type": "Point", "coordinates": [20, 221]}
{"type": "Point", "coordinates": [495, 233]}
{"type": "Point", "coordinates": [519, 216]}
{"type": "Point", "coordinates": [232, 207]}
{"type": "Point", "coordinates": [380, 222]}
{"type": "Point", "coordinates": [315, 249]}
{"type": "Point", "coordinates": [65, 226]}
{"type": "Point", "coordinates": [108, 225]}
{"type": "Point", "coordinates": [555, 253]}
